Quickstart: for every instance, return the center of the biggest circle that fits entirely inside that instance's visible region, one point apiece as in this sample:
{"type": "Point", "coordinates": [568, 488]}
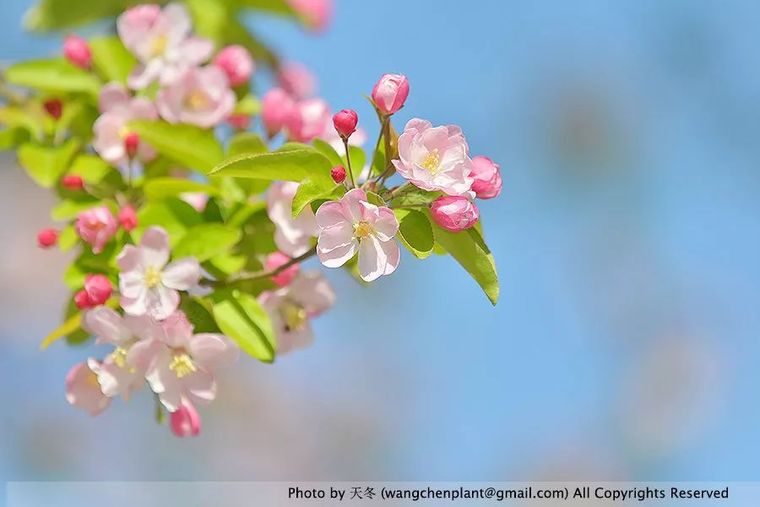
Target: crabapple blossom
{"type": "Point", "coordinates": [161, 41]}
{"type": "Point", "coordinates": [454, 213]}
{"type": "Point", "coordinates": [434, 158]}
{"type": "Point", "coordinates": [317, 13]}
{"type": "Point", "coordinates": [293, 236]}
{"type": "Point", "coordinates": [486, 178]}
{"type": "Point", "coordinates": [292, 307]}
{"type": "Point", "coordinates": [202, 97]}
{"type": "Point", "coordinates": [276, 107]}
{"type": "Point", "coordinates": [98, 288]}
{"type": "Point", "coordinates": [128, 218]}
{"type": "Point", "coordinates": [390, 93]}
{"type": "Point", "coordinates": [114, 142]}
{"type": "Point", "coordinates": [72, 182]}
{"type": "Point", "coordinates": [185, 421]}
{"type": "Point", "coordinates": [53, 107]}
{"type": "Point", "coordinates": [338, 174]}
{"type": "Point", "coordinates": [237, 64]}
{"type": "Point", "coordinates": [184, 364]}
{"type": "Point", "coordinates": [345, 122]}
{"type": "Point", "coordinates": [147, 284]}
{"type": "Point", "coordinates": [308, 120]}
{"type": "Point", "coordinates": [83, 390]}
{"type": "Point", "coordinates": [354, 225]}
{"type": "Point", "coordinates": [277, 259]}
{"type": "Point", "coordinates": [96, 226]}
{"type": "Point", "coordinates": [77, 51]}
{"type": "Point", "coordinates": [296, 80]}
{"type": "Point", "coordinates": [47, 238]}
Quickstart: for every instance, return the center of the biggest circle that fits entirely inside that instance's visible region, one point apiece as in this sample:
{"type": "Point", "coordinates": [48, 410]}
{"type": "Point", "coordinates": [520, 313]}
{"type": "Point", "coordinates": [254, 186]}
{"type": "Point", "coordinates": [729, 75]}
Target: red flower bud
{"type": "Point", "coordinates": [47, 238]}
{"type": "Point", "coordinates": [54, 108]}
{"type": "Point", "coordinates": [128, 218]}
{"type": "Point", "coordinates": [345, 122]}
{"type": "Point", "coordinates": [131, 144]}
{"type": "Point", "coordinates": [82, 300]}
{"type": "Point", "coordinates": [77, 51]}
{"type": "Point", "coordinates": [98, 289]}
{"type": "Point", "coordinates": [185, 422]}
{"type": "Point", "coordinates": [72, 182]}
{"type": "Point", "coordinates": [338, 174]}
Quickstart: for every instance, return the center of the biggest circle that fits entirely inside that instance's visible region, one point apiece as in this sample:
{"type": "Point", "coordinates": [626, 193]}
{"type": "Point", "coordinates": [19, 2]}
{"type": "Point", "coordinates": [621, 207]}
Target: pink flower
{"type": "Point", "coordinates": [297, 80]}
{"type": "Point", "coordinates": [128, 218]}
{"type": "Point", "coordinates": [47, 238]}
{"type": "Point", "coordinates": [77, 51]}
{"type": "Point", "coordinates": [486, 178]}
{"type": "Point", "coordinates": [146, 283]}
{"type": "Point", "coordinates": [162, 43]}
{"type": "Point", "coordinates": [98, 289]}
{"type": "Point", "coordinates": [353, 224]}
{"type": "Point", "coordinates": [317, 13]}
{"type": "Point", "coordinates": [454, 213]}
{"type": "Point", "coordinates": [292, 307]}
{"type": "Point", "coordinates": [277, 259]}
{"type": "Point", "coordinates": [308, 120]}
{"type": "Point", "coordinates": [112, 137]}
{"type": "Point", "coordinates": [276, 108]}
{"type": "Point", "coordinates": [292, 235]}
{"type": "Point", "coordinates": [390, 93]}
{"type": "Point", "coordinates": [96, 226]}
{"type": "Point", "coordinates": [83, 390]}
{"type": "Point", "coordinates": [185, 421]}
{"type": "Point", "coordinates": [435, 158]}
{"type": "Point", "coordinates": [202, 97]}
{"type": "Point", "coordinates": [184, 366]}
{"type": "Point", "coordinates": [345, 122]}
{"type": "Point", "coordinates": [237, 64]}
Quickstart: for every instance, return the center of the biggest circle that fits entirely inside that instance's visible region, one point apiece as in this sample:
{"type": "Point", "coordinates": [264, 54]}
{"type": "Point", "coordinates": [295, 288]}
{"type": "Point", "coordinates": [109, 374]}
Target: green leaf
{"type": "Point", "coordinates": [28, 119]}
{"type": "Point", "coordinates": [70, 208]}
{"type": "Point", "coordinates": [13, 137]}
{"type": "Point", "coordinates": [289, 164]}
{"type": "Point", "coordinates": [280, 7]}
{"type": "Point", "coordinates": [248, 105]}
{"type": "Point", "coordinates": [204, 241]}
{"type": "Point", "coordinates": [92, 169]}
{"type": "Point", "coordinates": [174, 215]}
{"type": "Point", "coordinates": [46, 164]}
{"type": "Point", "coordinates": [55, 76]}
{"type": "Point", "coordinates": [161, 188]}
{"type": "Point", "coordinates": [375, 199]}
{"type": "Point", "coordinates": [308, 191]}
{"type": "Point", "coordinates": [68, 238]}
{"type": "Point", "coordinates": [198, 312]}
{"type": "Point", "coordinates": [246, 143]}
{"type": "Point", "coordinates": [191, 146]}
{"type": "Point", "coordinates": [59, 14]}
{"type": "Point", "coordinates": [71, 325]}
{"type": "Point", "coordinates": [242, 318]}
{"type": "Point", "coordinates": [415, 232]}
{"type": "Point", "coordinates": [358, 160]}
{"type": "Point", "coordinates": [471, 252]}
{"type": "Point", "coordinates": [111, 58]}
{"type": "Point", "coordinates": [413, 196]}
{"type": "Point", "coordinates": [328, 151]}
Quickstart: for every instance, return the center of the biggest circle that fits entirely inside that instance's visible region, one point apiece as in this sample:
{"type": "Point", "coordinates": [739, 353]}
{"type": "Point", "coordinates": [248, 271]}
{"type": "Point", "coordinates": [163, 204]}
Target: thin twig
{"type": "Point", "coordinates": [261, 275]}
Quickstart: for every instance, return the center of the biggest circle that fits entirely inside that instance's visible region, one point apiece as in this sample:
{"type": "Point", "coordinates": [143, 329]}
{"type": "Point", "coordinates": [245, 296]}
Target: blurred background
{"type": "Point", "coordinates": [626, 342]}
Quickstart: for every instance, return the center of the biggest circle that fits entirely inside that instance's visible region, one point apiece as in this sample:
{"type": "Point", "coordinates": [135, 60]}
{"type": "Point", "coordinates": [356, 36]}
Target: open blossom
{"type": "Point", "coordinates": [454, 213]}
{"type": "Point", "coordinates": [297, 80]}
{"type": "Point", "coordinates": [486, 178]}
{"type": "Point", "coordinates": [317, 13]}
{"type": "Point", "coordinates": [354, 224]}
{"type": "Point", "coordinates": [308, 120]}
{"type": "Point", "coordinates": [96, 226]}
{"type": "Point", "coordinates": [202, 97]}
{"type": "Point", "coordinates": [292, 307]}
{"type": "Point", "coordinates": [83, 390]}
{"type": "Point", "coordinates": [185, 421]}
{"type": "Point", "coordinates": [292, 235]}
{"type": "Point", "coordinates": [161, 41]}
{"type": "Point", "coordinates": [184, 365]}
{"type": "Point", "coordinates": [390, 93]}
{"type": "Point", "coordinates": [276, 108]}
{"type": "Point", "coordinates": [435, 158]}
{"type": "Point", "coordinates": [112, 136]}
{"type": "Point", "coordinates": [146, 283]}
{"type": "Point", "coordinates": [237, 64]}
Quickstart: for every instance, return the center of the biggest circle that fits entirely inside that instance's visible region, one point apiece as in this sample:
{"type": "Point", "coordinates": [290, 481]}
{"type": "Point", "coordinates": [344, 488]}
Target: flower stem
{"type": "Point", "coordinates": [348, 161]}
{"type": "Point", "coordinates": [260, 275]}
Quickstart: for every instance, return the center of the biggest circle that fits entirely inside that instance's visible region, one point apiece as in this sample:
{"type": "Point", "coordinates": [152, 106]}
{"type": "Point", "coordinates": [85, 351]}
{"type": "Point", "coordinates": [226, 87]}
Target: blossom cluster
{"type": "Point", "coordinates": [193, 205]}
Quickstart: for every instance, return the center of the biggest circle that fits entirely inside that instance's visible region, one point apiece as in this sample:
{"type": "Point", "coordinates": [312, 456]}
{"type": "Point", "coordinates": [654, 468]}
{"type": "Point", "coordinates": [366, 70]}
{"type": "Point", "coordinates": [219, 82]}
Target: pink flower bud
{"type": "Point", "coordinates": [132, 144]}
{"type": "Point", "coordinates": [47, 238]}
{"type": "Point", "coordinates": [454, 213]}
{"type": "Point", "coordinates": [98, 289]}
{"type": "Point", "coordinates": [297, 80]}
{"type": "Point", "coordinates": [276, 107]}
{"type": "Point", "coordinates": [54, 108]}
{"type": "Point", "coordinates": [237, 63]}
{"type": "Point", "coordinates": [316, 13]}
{"type": "Point", "coordinates": [82, 300]}
{"type": "Point", "coordinates": [239, 121]}
{"type": "Point", "coordinates": [77, 51]}
{"type": "Point", "coordinates": [96, 226]}
{"type": "Point", "coordinates": [128, 218]}
{"type": "Point", "coordinates": [72, 182]}
{"type": "Point", "coordinates": [338, 174]}
{"type": "Point", "coordinates": [277, 259]}
{"type": "Point", "coordinates": [486, 176]}
{"type": "Point", "coordinates": [345, 122]}
{"type": "Point", "coordinates": [390, 93]}
{"type": "Point", "coordinates": [186, 421]}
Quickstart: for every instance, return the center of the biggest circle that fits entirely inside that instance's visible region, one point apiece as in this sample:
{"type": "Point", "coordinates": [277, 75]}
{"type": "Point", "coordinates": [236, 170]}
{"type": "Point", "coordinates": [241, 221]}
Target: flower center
{"type": "Point", "coordinates": [92, 379]}
{"type": "Point", "coordinates": [152, 277]}
{"type": "Point", "coordinates": [182, 365]}
{"type": "Point", "coordinates": [119, 357]}
{"type": "Point", "coordinates": [197, 100]}
{"type": "Point", "coordinates": [432, 161]}
{"type": "Point", "coordinates": [159, 45]}
{"type": "Point", "coordinates": [294, 316]}
{"type": "Point", "coordinates": [362, 229]}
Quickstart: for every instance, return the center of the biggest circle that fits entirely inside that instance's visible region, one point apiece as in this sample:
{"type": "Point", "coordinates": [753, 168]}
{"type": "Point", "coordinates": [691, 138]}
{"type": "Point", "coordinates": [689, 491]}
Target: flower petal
{"type": "Point", "coordinates": [212, 351]}
{"type": "Point", "coordinates": [338, 256]}
{"type": "Point", "coordinates": [107, 325]}
{"type": "Point", "coordinates": [182, 274]}
{"type": "Point", "coordinates": [372, 259]}
{"type": "Point", "coordinates": [386, 224]}
{"type": "Point", "coordinates": [330, 214]}
{"type": "Point", "coordinates": [154, 247]}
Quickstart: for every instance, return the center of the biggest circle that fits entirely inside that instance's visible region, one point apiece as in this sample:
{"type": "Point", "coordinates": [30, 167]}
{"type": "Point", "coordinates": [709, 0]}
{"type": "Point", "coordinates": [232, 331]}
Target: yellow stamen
{"type": "Point", "coordinates": [119, 357]}
{"type": "Point", "coordinates": [182, 365]}
{"type": "Point", "coordinates": [92, 379]}
{"type": "Point", "coordinates": [432, 161]}
{"type": "Point", "coordinates": [294, 316]}
{"type": "Point", "coordinates": [197, 100]}
{"type": "Point", "coordinates": [152, 277]}
{"type": "Point", "coordinates": [124, 132]}
{"type": "Point", "coordinates": [159, 45]}
{"type": "Point", "coordinates": [362, 230]}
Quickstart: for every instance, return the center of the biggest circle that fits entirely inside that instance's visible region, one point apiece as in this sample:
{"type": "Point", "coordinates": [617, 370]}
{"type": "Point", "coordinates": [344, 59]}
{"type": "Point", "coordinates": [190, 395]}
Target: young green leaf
{"type": "Point", "coordinates": [415, 232]}
{"type": "Point", "coordinates": [191, 146]}
{"type": "Point", "coordinates": [55, 76]}
{"type": "Point", "coordinates": [47, 164]}
{"type": "Point", "coordinates": [290, 164]}
{"type": "Point", "coordinates": [174, 215]}
{"type": "Point", "coordinates": [204, 241]}
{"type": "Point", "coordinates": [111, 58]}
{"type": "Point", "coordinates": [246, 143]}
{"type": "Point", "coordinates": [242, 318]}
{"type": "Point", "coordinates": [328, 151]}
{"type": "Point", "coordinates": [308, 191]}
{"type": "Point", "coordinates": [161, 188]}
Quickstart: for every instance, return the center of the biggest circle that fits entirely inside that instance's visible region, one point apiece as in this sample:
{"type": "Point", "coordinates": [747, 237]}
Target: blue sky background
{"type": "Point", "coordinates": [626, 341]}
